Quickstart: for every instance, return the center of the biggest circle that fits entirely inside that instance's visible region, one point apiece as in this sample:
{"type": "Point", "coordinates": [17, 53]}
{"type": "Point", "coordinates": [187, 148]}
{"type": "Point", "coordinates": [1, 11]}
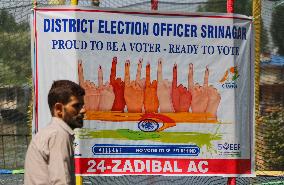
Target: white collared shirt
{"type": "Point", "coordinates": [49, 159]}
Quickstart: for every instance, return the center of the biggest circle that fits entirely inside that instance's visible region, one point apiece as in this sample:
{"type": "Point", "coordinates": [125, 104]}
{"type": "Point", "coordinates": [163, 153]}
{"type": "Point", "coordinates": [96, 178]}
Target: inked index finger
{"type": "Point", "coordinates": [113, 70]}
{"type": "Point", "coordinates": [80, 72]}
{"type": "Point", "coordinates": [100, 76]}
{"type": "Point", "coordinates": [126, 72]}
{"type": "Point", "coordinates": [148, 75]}
{"type": "Point", "coordinates": [139, 67]}
{"type": "Point", "coordinates": [206, 76]}
{"type": "Point", "coordinates": [190, 76]}
{"type": "Point", "coordinates": [174, 76]}
{"type": "Point", "coordinates": [160, 71]}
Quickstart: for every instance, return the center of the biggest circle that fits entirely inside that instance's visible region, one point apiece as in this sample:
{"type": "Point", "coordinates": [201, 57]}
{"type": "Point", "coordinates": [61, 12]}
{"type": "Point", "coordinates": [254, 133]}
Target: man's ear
{"type": "Point", "coordinates": [58, 110]}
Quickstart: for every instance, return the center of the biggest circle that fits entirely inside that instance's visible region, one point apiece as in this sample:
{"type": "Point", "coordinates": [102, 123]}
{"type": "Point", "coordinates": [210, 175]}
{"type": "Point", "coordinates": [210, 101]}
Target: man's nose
{"type": "Point", "coordinates": [83, 110]}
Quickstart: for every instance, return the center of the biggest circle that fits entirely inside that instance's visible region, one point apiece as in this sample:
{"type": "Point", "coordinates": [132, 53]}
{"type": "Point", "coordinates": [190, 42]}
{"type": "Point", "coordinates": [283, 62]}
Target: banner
{"type": "Point", "coordinates": [166, 93]}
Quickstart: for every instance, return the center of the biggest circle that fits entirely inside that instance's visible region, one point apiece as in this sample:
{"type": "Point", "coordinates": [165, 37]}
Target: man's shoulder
{"type": "Point", "coordinates": [50, 131]}
{"type": "Point", "coordinates": [45, 134]}
{"type": "Point", "coordinates": [42, 139]}
{"type": "Point", "coordinates": [52, 128]}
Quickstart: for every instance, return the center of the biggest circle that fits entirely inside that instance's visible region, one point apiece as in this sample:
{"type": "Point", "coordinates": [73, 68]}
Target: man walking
{"type": "Point", "coordinates": [49, 159]}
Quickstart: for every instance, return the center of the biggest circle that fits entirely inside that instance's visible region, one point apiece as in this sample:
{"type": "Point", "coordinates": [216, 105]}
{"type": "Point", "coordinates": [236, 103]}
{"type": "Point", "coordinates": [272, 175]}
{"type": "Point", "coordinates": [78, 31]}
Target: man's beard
{"type": "Point", "coordinates": [75, 121]}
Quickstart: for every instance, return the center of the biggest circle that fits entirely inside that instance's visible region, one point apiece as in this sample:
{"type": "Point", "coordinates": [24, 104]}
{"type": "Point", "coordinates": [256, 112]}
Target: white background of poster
{"type": "Point", "coordinates": [235, 107]}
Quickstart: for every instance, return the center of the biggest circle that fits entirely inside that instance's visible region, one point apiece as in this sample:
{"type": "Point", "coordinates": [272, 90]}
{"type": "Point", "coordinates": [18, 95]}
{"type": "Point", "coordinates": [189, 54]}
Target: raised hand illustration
{"type": "Point", "coordinates": [151, 102]}
{"type": "Point", "coordinates": [204, 98]}
{"type": "Point", "coordinates": [181, 97]}
{"type": "Point", "coordinates": [118, 88]}
{"type": "Point", "coordinates": [213, 96]}
{"type": "Point", "coordinates": [199, 93]}
{"type": "Point", "coordinates": [214, 99]}
{"type": "Point", "coordinates": [133, 90]}
{"type": "Point", "coordinates": [92, 92]}
{"type": "Point", "coordinates": [106, 93]}
{"type": "Point", "coordinates": [81, 73]}
{"type": "Point", "coordinates": [164, 90]}
{"type": "Point", "coordinates": [92, 96]}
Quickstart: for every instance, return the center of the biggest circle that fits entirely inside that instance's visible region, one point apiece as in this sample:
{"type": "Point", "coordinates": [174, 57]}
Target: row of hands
{"type": "Point", "coordinates": [144, 95]}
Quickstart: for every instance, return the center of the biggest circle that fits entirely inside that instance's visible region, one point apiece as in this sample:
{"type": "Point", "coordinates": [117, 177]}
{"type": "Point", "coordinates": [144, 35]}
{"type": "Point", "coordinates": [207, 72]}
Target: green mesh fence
{"type": "Point", "coordinates": [15, 88]}
{"type": "Point", "coordinates": [15, 74]}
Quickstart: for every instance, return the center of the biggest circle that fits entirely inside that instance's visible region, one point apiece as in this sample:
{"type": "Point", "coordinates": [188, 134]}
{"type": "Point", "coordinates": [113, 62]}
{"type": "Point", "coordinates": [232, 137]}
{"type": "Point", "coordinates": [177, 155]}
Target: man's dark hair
{"type": "Point", "coordinates": [61, 92]}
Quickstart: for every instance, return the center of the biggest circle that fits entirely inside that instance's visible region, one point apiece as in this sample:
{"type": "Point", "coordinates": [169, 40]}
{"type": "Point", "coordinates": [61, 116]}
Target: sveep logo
{"type": "Point", "coordinates": [229, 78]}
{"type": "Point", "coordinates": [229, 146]}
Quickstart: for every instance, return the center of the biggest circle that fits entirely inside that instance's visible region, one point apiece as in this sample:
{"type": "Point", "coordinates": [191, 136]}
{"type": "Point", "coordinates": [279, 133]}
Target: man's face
{"type": "Point", "coordinates": [74, 111]}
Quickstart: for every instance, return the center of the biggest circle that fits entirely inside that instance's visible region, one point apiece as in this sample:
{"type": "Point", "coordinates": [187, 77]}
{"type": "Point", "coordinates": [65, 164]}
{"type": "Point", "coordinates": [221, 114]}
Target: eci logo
{"type": "Point", "coordinates": [229, 146]}
{"type": "Point", "coordinates": [229, 78]}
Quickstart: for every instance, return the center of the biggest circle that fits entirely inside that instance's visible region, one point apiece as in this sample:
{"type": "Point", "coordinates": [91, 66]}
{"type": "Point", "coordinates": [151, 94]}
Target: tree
{"type": "Point", "coordinates": [8, 23]}
{"type": "Point", "coordinates": [241, 7]}
{"type": "Point", "coordinates": [15, 65]}
{"type": "Point", "coordinates": [277, 28]}
{"type": "Point", "coordinates": [263, 40]}
{"type": "Point", "coordinates": [274, 139]}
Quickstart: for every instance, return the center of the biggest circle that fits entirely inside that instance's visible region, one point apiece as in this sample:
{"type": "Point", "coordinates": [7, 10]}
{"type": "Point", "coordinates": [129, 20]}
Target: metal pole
{"type": "Point", "coordinates": [15, 152]}
{"type": "Point", "coordinates": [256, 12]}
{"type": "Point", "coordinates": [230, 6]}
{"type": "Point", "coordinates": [230, 9]}
{"type": "Point", "coordinates": [74, 2]}
{"type": "Point", "coordinates": [154, 4]}
{"type": "Point", "coordinates": [257, 27]}
{"type": "Point", "coordinates": [232, 181]}
{"type": "Point", "coordinates": [3, 150]}
{"type": "Point", "coordinates": [34, 4]}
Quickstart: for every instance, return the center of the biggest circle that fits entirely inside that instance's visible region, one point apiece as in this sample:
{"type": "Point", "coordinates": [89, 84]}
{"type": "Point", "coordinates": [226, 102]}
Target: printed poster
{"type": "Point", "coordinates": [166, 93]}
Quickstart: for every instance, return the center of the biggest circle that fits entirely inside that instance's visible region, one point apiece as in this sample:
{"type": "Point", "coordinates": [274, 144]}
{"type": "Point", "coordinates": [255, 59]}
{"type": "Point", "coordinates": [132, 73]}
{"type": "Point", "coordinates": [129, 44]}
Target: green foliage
{"type": "Point", "coordinates": [214, 6]}
{"type": "Point", "coordinates": [274, 140]}
{"type": "Point", "coordinates": [8, 23]}
{"type": "Point", "coordinates": [277, 28]}
{"type": "Point", "coordinates": [15, 62]}
{"type": "Point", "coordinates": [263, 40]}
{"type": "Point", "coordinates": [240, 6]}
